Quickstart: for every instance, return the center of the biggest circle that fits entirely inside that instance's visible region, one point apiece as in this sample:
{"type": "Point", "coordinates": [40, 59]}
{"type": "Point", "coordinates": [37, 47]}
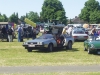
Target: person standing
{"type": "Point", "coordinates": [64, 31]}
{"type": "Point", "coordinates": [70, 31]}
{"type": "Point", "coordinates": [34, 33]}
{"type": "Point", "coordinates": [19, 30]}
{"type": "Point", "coordinates": [4, 31]}
{"type": "Point", "coordinates": [99, 32]}
{"type": "Point", "coordinates": [10, 34]}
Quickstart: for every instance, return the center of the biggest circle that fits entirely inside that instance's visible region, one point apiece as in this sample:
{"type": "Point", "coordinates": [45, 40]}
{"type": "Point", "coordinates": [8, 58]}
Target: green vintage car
{"type": "Point", "coordinates": [92, 45]}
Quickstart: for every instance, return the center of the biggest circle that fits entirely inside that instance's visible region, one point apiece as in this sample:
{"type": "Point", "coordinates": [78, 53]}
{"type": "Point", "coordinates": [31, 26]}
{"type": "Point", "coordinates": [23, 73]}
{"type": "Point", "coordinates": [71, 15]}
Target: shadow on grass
{"type": "Point", "coordinates": [96, 54]}
{"type": "Point", "coordinates": [55, 50]}
{"type": "Point", "coordinates": [73, 50]}
{"type": "Point", "coordinates": [3, 49]}
{"type": "Point", "coordinates": [79, 40]}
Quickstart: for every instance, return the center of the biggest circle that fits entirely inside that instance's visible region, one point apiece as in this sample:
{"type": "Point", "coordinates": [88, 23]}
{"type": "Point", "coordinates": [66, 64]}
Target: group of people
{"type": "Point", "coordinates": [95, 33]}
{"type": "Point", "coordinates": [67, 30]}
{"type": "Point", "coordinates": [7, 34]}
{"type": "Point", "coordinates": [33, 31]}
{"type": "Point", "coordinates": [28, 32]}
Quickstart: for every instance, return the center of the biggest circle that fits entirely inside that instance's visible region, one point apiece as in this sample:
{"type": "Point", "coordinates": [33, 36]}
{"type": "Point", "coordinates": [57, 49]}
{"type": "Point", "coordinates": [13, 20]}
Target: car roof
{"type": "Point", "coordinates": [77, 29]}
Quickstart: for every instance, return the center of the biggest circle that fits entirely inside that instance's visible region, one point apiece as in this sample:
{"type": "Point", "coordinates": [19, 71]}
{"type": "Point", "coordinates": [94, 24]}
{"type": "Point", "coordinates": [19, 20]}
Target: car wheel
{"type": "Point", "coordinates": [89, 51]}
{"type": "Point", "coordinates": [29, 50]}
{"type": "Point", "coordinates": [85, 49]}
{"type": "Point", "coordinates": [69, 46]}
{"type": "Point", "coordinates": [50, 47]}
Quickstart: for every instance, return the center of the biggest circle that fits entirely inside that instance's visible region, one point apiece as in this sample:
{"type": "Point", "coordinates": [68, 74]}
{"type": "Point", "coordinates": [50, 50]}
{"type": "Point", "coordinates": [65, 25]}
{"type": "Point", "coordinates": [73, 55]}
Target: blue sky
{"type": "Point", "coordinates": [72, 7]}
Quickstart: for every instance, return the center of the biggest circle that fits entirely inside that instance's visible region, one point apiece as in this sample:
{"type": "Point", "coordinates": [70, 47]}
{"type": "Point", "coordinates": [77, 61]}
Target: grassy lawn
{"type": "Point", "coordinates": [76, 73]}
{"type": "Point", "coordinates": [13, 54]}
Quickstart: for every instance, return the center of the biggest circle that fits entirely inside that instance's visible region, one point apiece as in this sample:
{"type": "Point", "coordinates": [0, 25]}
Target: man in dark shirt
{"type": "Point", "coordinates": [3, 30]}
{"type": "Point", "coordinates": [4, 33]}
{"type": "Point", "coordinates": [10, 34]}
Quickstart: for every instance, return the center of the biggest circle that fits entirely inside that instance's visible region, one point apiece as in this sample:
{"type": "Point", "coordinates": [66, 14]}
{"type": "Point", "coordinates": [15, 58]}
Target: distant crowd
{"type": "Point", "coordinates": [32, 32]}
{"type": "Point", "coordinates": [21, 32]}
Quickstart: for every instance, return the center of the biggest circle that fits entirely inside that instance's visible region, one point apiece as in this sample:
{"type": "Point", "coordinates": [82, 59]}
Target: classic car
{"type": "Point", "coordinates": [92, 45]}
{"type": "Point", "coordinates": [79, 34]}
{"type": "Point", "coordinates": [49, 42]}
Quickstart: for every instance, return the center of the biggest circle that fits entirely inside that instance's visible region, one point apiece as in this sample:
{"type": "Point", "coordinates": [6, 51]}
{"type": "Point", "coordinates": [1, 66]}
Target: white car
{"type": "Point", "coordinates": [79, 35]}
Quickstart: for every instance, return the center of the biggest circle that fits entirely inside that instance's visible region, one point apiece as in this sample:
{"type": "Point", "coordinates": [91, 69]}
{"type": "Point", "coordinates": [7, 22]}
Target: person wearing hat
{"type": "Point", "coordinates": [19, 30]}
{"type": "Point", "coordinates": [64, 31]}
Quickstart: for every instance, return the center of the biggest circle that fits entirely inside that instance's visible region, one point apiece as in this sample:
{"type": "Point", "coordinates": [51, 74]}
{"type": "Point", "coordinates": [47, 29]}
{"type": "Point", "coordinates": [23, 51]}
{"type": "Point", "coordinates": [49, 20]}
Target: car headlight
{"type": "Point", "coordinates": [25, 43]}
{"type": "Point", "coordinates": [39, 43]}
{"type": "Point", "coordinates": [92, 46]}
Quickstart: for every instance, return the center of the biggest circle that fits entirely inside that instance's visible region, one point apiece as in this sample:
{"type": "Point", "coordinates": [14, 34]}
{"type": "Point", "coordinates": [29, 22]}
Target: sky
{"type": "Point", "coordinates": [72, 7]}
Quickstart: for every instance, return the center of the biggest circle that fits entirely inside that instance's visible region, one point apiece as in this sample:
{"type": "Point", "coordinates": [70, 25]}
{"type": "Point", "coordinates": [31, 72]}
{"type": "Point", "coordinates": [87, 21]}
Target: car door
{"type": "Point", "coordinates": [97, 44]}
{"type": "Point", "coordinates": [66, 39]}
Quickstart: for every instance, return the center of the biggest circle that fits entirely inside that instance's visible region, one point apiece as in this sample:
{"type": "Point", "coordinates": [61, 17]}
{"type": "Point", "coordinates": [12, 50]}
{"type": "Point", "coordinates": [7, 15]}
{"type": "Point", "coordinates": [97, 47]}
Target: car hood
{"type": "Point", "coordinates": [95, 43]}
{"type": "Point", "coordinates": [39, 40]}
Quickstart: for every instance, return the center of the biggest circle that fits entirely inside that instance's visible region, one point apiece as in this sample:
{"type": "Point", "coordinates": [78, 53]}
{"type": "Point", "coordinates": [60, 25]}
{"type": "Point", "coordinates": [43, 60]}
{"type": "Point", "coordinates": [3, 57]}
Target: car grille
{"type": "Point", "coordinates": [32, 43]}
{"type": "Point", "coordinates": [98, 49]}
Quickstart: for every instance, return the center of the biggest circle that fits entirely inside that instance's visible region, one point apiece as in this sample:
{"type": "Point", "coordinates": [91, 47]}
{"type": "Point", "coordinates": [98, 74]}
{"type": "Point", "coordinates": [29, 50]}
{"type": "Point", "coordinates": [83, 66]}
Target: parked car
{"type": "Point", "coordinates": [92, 45]}
{"type": "Point", "coordinates": [79, 27]}
{"type": "Point", "coordinates": [48, 41]}
{"type": "Point", "coordinates": [86, 31]}
{"type": "Point", "coordinates": [79, 34]}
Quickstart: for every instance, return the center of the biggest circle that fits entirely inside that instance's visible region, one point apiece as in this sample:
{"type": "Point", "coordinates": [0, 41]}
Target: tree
{"type": "Point", "coordinates": [5, 18]}
{"type": "Point", "coordinates": [95, 17]}
{"type": "Point", "coordinates": [22, 18]}
{"type": "Point", "coordinates": [89, 8]}
{"type": "Point", "coordinates": [2, 18]}
{"type": "Point", "coordinates": [53, 9]}
{"type": "Point", "coordinates": [33, 16]}
{"type": "Point", "coordinates": [14, 18]}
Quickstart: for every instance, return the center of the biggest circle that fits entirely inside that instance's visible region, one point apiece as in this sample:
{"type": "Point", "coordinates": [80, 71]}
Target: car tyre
{"type": "Point", "coordinates": [85, 49]}
{"type": "Point", "coordinates": [50, 47]}
{"type": "Point", "coordinates": [89, 51]}
{"type": "Point", "coordinates": [69, 46]}
{"type": "Point", "coordinates": [29, 50]}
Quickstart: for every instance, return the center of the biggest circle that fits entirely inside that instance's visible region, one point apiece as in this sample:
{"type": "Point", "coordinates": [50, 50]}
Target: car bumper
{"type": "Point", "coordinates": [35, 46]}
{"type": "Point", "coordinates": [81, 39]}
{"type": "Point", "coordinates": [95, 50]}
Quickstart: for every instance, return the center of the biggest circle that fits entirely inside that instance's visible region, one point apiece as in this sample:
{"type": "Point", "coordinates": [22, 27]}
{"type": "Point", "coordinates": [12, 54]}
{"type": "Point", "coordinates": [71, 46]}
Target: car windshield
{"type": "Point", "coordinates": [94, 38]}
{"type": "Point", "coordinates": [78, 32]}
{"type": "Point", "coordinates": [45, 36]}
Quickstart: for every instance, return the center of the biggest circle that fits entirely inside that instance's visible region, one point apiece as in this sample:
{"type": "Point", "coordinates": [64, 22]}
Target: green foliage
{"type": "Point", "coordinates": [14, 18]}
{"type": "Point", "coordinates": [84, 15]}
{"type": "Point", "coordinates": [53, 9]}
{"type": "Point", "coordinates": [3, 18]}
{"type": "Point", "coordinates": [95, 17]}
{"type": "Point", "coordinates": [22, 18]}
{"type": "Point", "coordinates": [91, 7]}
{"type": "Point", "coordinates": [33, 16]}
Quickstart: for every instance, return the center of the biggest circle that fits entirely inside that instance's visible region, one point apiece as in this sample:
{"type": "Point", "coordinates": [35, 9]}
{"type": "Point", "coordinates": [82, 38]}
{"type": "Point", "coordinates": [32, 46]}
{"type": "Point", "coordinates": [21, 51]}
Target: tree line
{"type": "Point", "coordinates": [54, 10]}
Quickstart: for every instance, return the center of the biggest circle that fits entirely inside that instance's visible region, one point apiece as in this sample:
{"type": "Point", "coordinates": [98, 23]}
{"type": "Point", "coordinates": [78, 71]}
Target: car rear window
{"type": "Point", "coordinates": [78, 32]}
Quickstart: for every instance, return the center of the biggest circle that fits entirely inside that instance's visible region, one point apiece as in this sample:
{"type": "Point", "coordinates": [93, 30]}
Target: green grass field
{"type": "Point", "coordinates": [60, 73]}
{"type": "Point", "coordinates": [14, 54]}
